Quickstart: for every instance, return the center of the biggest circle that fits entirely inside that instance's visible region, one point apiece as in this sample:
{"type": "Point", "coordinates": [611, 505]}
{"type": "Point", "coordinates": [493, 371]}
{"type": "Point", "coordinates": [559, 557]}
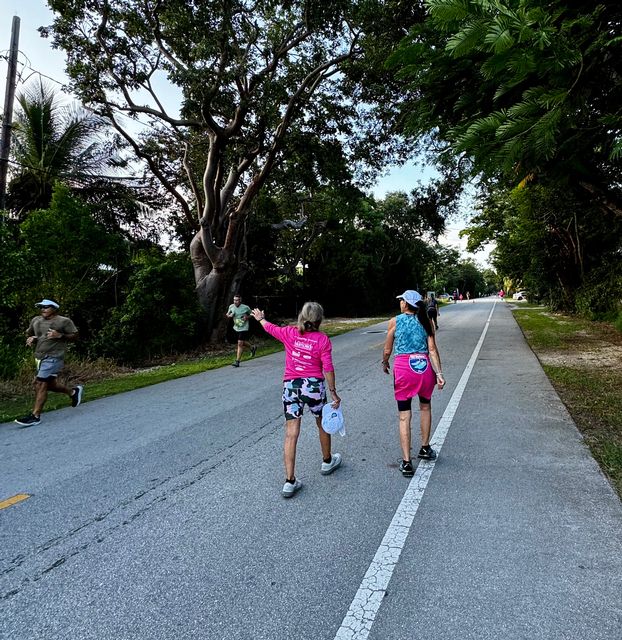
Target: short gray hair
{"type": "Point", "coordinates": [310, 317]}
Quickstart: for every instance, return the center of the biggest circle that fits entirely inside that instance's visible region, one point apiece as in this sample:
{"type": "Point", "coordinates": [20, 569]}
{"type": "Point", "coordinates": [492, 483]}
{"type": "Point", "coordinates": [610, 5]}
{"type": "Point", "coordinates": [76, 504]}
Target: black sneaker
{"type": "Point", "coordinates": [253, 351]}
{"type": "Point", "coordinates": [236, 363]}
{"type": "Point", "coordinates": [29, 420]}
{"type": "Point", "coordinates": [76, 396]}
{"type": "Point", "coordinates": [427, 453]}
{"type": "Point", "coordinates": [406, 468]}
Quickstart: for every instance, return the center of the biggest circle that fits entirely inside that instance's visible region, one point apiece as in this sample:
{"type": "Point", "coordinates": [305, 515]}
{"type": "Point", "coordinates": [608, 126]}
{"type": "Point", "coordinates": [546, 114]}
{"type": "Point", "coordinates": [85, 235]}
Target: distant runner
{"type": "Point", "coordinates": [432, 308]}
{"type": "Point", "coordinates": [241, 314]}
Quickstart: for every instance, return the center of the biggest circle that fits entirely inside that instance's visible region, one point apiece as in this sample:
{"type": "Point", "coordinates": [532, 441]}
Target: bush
{"type": "Point", "coordinates": [599, 296]}
{"type": "Point", "coordinates": [12, 355]}
{"type": "Point", "coordinates": [160, 314]}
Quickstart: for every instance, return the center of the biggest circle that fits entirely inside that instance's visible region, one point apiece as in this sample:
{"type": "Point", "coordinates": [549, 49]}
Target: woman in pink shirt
{"type": "Point", "coordinates": [308, 366]}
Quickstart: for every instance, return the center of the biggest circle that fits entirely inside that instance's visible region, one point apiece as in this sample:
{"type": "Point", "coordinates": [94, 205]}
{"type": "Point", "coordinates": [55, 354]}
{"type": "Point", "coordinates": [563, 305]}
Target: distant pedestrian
{"type": "Point", "coordinates": [461, 297]}
{"type": "Point", "coordinates": [416, 369]}
{"type": "Point", "coordinates": [308, 367]}
{"type": "Point", "coordinates": [501, 294]}
{"type": "Point", "coordinates": [432, 309]}
{"type": "Point", "coordinates": [468, 295]}
{"type": "Point", "coordinates": [50, 333]}
{"type": "Point", "coordinates": [241, 314]}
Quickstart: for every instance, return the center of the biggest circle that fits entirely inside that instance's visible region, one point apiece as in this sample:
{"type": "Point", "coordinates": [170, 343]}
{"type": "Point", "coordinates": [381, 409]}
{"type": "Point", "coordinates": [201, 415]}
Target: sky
{"type": "Point", "coordinates": [37, 57]}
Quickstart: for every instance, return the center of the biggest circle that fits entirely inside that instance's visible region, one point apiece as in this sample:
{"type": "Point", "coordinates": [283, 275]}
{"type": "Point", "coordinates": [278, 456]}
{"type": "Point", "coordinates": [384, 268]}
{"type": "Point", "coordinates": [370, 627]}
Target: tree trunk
{"type": "Point", "coordinates": [216, 284]}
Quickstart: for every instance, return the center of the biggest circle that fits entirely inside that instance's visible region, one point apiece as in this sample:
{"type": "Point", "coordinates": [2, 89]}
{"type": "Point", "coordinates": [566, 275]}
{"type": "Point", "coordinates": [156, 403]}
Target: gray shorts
{"type": "Point", "coordinates": [49, 367]}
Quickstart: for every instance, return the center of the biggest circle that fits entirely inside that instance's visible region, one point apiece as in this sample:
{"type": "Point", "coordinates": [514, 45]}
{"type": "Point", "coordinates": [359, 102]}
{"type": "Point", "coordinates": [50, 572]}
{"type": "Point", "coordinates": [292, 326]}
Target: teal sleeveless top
{"type": "Point", "coordinates": [410, 336]}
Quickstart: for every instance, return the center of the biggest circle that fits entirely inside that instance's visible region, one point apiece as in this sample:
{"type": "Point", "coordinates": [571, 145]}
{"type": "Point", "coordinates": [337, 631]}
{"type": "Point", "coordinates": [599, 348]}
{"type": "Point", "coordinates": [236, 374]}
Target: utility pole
{"type": "Point", "coordinates": [7, 120]}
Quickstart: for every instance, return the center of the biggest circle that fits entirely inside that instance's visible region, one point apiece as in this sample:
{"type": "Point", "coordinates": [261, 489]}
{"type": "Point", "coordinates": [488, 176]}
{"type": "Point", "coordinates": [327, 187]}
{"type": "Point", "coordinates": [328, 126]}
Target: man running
{"type": "Point", "coordinates": [50, 334]}
{"type": "Point", "coordinates": [241, 314]}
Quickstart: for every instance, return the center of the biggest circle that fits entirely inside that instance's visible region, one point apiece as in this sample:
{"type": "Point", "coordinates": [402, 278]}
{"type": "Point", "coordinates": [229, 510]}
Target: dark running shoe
{"type": "Point", "coordinates": [406, 468]}
{"type": "Point", "coordinates": [29, 420]}
{"type": "Point", "coordinates": [236, 363]}
{"type": "Point", "coordinates": [427, 453]}
{"type": "Point", "coordinates": [76, 396]}
{"type": "Point", "coordinates": [253, 351]}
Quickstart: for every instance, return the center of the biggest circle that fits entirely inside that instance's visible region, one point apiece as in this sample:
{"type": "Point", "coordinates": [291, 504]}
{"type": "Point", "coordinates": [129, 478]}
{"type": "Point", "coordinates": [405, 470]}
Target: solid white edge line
{"type": "Point", "coordinates": [358, 621]}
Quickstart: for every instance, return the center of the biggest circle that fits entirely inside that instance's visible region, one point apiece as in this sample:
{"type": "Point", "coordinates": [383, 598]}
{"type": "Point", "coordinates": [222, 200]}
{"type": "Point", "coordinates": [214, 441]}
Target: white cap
{"type": "Point", "coordinates": [47, 303]}
{"type": "Point", "coordinates": [332, 419]}
{"type": "Point", "coordinates": [411, 297]}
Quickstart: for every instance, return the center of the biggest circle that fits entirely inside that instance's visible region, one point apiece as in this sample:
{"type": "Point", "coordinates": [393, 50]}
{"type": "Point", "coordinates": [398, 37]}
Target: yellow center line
{"type": "Point", "coordinates": [14, 500]}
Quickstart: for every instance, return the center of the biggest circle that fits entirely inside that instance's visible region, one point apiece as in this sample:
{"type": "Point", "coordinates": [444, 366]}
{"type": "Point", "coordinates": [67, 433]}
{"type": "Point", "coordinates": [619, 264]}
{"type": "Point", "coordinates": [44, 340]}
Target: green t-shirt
{"type": "Point", "coordinates": [45, 346]}
{"type": "Point", "coordinates": [239, 322]}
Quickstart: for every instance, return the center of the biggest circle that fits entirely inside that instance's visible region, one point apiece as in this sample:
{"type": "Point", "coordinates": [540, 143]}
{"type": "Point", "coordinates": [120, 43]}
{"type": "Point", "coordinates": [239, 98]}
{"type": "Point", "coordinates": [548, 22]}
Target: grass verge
{"type": "Point", "coordinates": [583, 360]}
{"type": "Point", "coordinates": [19, 401]}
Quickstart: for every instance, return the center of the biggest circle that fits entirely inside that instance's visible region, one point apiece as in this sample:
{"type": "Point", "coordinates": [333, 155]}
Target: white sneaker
{"type": "Point", "coordinates": [290, 488]}
{"type": "Point", "coordinates": [329, 467]}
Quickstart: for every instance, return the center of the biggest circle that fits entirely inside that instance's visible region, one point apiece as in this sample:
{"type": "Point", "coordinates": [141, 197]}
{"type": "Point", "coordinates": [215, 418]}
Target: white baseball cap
{"type": "Point", "coordinates": [411, 297]}
{"type": "Point", "coordinates": [47, 303]}
{"type": "Point", "coordinates": [332, 420]}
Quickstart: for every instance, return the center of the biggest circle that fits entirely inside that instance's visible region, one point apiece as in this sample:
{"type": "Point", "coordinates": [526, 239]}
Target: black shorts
{"type": "Point", "coordinates": [406, 405]}
{"type": "Point", "coordinates": [242, 335]}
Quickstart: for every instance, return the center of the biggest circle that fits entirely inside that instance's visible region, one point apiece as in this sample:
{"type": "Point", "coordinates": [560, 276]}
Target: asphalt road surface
{"type": "Point", "coordinates": [157, 514]}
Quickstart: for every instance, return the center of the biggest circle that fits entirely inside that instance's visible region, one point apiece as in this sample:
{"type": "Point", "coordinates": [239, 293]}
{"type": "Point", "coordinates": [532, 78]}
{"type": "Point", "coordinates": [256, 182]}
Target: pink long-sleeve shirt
{"type": "Point", "coordinates": [307, 355]}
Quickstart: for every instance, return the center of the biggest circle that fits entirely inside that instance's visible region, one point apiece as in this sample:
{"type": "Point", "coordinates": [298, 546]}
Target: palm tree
{"type": "Point", "coordinates": [52, 142]}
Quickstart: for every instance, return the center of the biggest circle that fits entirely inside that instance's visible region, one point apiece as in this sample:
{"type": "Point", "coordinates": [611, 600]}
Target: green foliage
{"type": "Point", "coordinates": [559, 247]}
{"type": "Point", "coordinates": [160, 314]}
{"type": "Point", "coordinates": [70, 256]}
{"type": "Point", "coordinates": [260, 84]}
{"type": "Point", "coordinates": [15, 276]}
{"type": "Point", "coordinates": [525, 90]}
{"type": "Point", "coordinates": [600, 295]}
{"type": "Point", "coordinates": [52, 142]}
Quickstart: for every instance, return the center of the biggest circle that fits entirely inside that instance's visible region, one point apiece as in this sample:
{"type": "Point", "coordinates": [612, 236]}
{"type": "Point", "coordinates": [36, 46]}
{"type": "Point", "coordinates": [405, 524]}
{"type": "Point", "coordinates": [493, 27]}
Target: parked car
{"type": "Point", "coordinates": [520, 295]}
{"type": "Point", "coordinates": [444, 297]}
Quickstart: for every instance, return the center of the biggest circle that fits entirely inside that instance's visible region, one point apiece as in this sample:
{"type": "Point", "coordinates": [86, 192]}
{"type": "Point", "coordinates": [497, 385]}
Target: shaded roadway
{"type": "Point", "coordinates": [156, 513]}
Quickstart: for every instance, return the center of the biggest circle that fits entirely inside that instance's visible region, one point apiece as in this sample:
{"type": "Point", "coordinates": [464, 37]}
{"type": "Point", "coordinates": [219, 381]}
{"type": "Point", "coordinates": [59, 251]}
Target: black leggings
{"type": "Point", "coordinates": [406, 405]}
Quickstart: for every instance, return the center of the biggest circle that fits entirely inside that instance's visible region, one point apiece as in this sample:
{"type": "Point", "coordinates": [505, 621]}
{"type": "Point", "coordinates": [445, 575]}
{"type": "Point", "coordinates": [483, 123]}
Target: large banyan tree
{"type": "Point", "coordinates": [240, 75]}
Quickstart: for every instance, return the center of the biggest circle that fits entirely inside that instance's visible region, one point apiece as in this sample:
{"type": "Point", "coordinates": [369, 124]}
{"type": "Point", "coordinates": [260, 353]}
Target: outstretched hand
{"type": "Point", "coordinates": [258, 314]}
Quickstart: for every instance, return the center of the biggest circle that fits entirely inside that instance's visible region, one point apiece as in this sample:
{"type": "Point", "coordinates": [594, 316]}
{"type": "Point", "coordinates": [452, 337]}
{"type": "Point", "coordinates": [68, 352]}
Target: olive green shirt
{"type": "Point", "coordinates": [54, 347]}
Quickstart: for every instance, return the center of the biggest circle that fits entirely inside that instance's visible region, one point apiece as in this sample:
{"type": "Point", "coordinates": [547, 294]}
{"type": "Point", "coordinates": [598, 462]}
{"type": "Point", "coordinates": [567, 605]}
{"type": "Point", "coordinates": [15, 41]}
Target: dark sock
{"type": "Point", "coordinates": [291, 481]}
{"type": "Point", "coordinates": [328, 460]}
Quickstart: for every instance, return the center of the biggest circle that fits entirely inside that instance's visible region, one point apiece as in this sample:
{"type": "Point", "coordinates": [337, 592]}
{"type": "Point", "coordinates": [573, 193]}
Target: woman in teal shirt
{"type": "Point", "coordinates": [412, 336]}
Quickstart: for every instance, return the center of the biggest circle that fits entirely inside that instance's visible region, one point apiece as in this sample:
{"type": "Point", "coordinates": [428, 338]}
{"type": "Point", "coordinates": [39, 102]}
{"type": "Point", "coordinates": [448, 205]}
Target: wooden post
{"type": "Point", "coordinates": [7, 120]}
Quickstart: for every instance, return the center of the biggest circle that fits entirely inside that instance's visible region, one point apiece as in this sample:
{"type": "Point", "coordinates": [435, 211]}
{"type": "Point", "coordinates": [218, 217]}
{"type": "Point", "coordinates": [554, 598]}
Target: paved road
{"type": "Point", "coordinates": [156, 514]}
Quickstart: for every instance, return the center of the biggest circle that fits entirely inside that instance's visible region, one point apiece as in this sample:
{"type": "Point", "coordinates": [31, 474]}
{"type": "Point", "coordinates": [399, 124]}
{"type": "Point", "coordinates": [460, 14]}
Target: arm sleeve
{"type": "Point", "coordinates": [326, 356]}
{"type": "Point", "coordinates": [31, 328]}
{"type": "Point", "coordinates": [69, 327]}
{"type": "Point", "coordinates": [274, 331]}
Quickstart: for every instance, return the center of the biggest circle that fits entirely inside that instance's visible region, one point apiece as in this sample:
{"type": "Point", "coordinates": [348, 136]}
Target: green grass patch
{"type": "Point", "coordinates": [546, 330]}
{"type": "Point", "coordinates": [20, 403]}
{"type": "Point", "coordinates": [589, 381]}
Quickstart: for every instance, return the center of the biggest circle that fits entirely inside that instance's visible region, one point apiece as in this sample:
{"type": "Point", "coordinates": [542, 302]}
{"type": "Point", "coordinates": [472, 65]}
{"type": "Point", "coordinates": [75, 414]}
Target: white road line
{"type": "Point", "coordinates": [360, 617]}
